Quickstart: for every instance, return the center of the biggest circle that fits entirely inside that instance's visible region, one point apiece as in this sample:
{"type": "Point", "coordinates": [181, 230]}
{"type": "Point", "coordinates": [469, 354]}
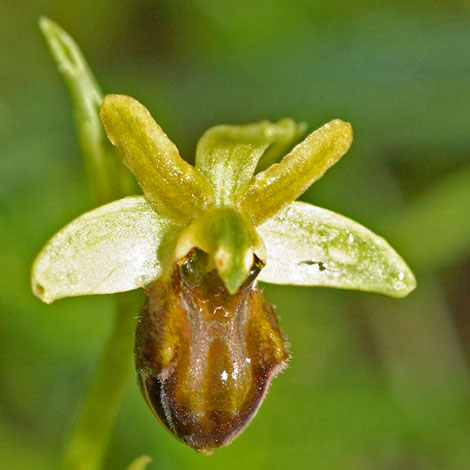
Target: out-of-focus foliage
{"type": "Point", "coordinates": [374, 383]}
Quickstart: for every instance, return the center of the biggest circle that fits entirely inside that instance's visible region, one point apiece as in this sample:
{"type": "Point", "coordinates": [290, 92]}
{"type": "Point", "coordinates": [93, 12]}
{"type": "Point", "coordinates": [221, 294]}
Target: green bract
{"type": "Point", "coordinates": [221, 206]}
{"type": "Point", "coordinates": [107, 176]}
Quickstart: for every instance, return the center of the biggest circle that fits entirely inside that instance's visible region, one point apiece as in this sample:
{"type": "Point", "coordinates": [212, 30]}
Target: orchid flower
{"type": "Point", "coordinates": [198, 241]}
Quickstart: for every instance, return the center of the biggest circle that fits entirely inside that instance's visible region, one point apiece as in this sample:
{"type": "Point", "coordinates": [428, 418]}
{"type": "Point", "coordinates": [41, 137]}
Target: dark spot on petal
{"type": "Point", "coordinates": [39, 289]}
{"type": "Point", "coordinates": [320, 264]}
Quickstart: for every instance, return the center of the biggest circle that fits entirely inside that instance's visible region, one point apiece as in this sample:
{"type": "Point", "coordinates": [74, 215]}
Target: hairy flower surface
{"type": "Point", "coordinates": [208, 343]}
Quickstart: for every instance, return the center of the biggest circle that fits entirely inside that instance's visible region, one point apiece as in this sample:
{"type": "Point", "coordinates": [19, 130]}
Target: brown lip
{"type": "Point", "coordinates": [205, 374]}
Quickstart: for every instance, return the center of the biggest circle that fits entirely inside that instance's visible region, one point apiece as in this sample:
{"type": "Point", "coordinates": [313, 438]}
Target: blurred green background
{"type": "Point", "coordinates": [374, 383]}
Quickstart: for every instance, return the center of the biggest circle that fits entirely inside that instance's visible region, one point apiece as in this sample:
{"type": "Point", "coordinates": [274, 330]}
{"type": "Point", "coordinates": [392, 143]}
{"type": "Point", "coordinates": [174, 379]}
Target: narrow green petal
{"type": "Point", "coordinates": [230, 240]}
{"type": "Point", "coordinates": [307, 245]}
{"type": "Point", "coordinates": [172, 186]}
{"type": "Point", "coordinates": [110, 249]}
{"type": "Point", "coordinates": [271, 190]}
{"type": "Point", "coordinates": [109, 178]}
{"type": "Point", "coordinates": [291, 133]}
{"type": "Point", "coordinates": [229, 155]}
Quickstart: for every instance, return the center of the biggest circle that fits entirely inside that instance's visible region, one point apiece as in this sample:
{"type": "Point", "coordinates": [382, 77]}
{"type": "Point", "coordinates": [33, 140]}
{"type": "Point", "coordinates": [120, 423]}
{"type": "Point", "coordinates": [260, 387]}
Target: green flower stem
{"type": "Point", "coordinates": [140, 463]}
{"type": "Point", "coordinates": [88, 440]}
{"type": "Point", "coordinates": [108, 180]}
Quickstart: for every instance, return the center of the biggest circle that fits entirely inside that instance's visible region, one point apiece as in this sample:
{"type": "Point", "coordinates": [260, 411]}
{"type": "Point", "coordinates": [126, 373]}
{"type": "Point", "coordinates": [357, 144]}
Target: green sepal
{"type": "Point", "coordinates": [271, 190]}
{"type": "Point", "coordinates": [114, 248]}
{"type": "Point", "coordinates": [230, 240]}
{"type": "Point", "coordinates": [228, 155]}
{"type": "Point", "coordinates": [108, 177]}
{"type": "Point", "coordinates": [307, 245]}
{"type": "Point", "coordinates": [173, 187]}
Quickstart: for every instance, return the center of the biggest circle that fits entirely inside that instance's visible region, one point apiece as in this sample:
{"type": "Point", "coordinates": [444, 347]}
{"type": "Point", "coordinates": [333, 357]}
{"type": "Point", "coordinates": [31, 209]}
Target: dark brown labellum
{"type": "Point", "coordinates": [205, 358]}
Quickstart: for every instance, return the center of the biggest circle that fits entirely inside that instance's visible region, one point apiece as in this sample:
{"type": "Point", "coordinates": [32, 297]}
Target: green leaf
{"type": "Point", "coordinates": [110, 249]}
{"type": "Point", "coordinates": [229, 155]}
{"type": "Point", "coordinates": [108, 177]}
{"type": "Point", "coordinates": [173, 187]}
{"type": "Point", "coordinates": [307, 245]}
{"type": "Point", "coordinates": [269, 191]}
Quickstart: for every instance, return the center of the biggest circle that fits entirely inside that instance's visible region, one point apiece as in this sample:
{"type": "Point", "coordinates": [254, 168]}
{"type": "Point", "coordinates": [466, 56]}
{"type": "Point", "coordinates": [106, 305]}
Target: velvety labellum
{"type": "Point", "coordinates": [205, 357]}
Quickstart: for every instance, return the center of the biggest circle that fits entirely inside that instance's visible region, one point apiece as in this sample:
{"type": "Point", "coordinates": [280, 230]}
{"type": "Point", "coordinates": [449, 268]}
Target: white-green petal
{"type": "Point", "coordinates": [307, 245]}
{"type": "Point", "coordinates": [110, 249]}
